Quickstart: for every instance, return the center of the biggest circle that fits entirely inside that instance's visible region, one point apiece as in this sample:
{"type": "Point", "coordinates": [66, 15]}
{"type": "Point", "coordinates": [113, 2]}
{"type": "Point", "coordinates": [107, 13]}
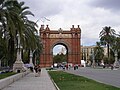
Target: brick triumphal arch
{"type": "Point", "coordinates": [69, 38]}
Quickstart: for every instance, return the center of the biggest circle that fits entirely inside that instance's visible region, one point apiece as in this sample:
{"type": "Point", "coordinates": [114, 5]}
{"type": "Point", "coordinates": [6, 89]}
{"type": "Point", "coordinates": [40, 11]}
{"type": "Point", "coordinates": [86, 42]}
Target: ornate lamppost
{"type": "Point", "coordinates": [93, 57]}
{"type": "Point", "coordinates": [116, 63]}
{"type": "Point", "coordinates": [18, 65]}
{"type": "Point", "coordinates": [0, 63]}
{"type": "Point", "coordinates": [31, 56]}
{"type": "Point", "coordinates": [116, 49]}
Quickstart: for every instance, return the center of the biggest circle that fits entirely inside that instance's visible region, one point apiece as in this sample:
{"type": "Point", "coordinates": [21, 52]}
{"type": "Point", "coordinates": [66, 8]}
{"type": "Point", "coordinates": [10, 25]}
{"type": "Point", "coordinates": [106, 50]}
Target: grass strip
{"type": "Point", "coordinates": [4, 75]}
{"type": "Point", "coordinates": [66, 81]}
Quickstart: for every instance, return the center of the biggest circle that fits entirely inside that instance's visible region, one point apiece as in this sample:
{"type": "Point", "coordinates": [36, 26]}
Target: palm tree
{"type": "Point", "coordinates": [115, 46]}
{"type": "Point", "coordinates": [14, 21]}
{"type": "Point", "coordinates": [106, 36]}
{"type": "Point", "coordinates": [119, 46]}
{"type": "Point", "coordinates": [3, 49]}
{"type": "Point", "coordinates": [99, 51]}
{"type": "Point", "coordinates": [6, 26]}
{"type": "Point", "coordinates": [37, 50]}
{"type": "Point", "coordinates": [29, 29]}
{"type": "Point", "coordinates": [29, 33]}
{"type": "Point", "coordinates": [12, 25]}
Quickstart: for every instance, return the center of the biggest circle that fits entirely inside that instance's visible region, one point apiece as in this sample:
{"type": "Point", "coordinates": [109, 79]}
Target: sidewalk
{"type": "Point", "coordinates": [30, 82]}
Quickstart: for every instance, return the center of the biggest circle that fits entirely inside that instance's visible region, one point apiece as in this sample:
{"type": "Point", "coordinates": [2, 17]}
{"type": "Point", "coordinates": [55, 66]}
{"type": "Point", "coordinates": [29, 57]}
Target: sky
{"type": "Point", "coordinates": [58, 49]}
{"type": "Point", "coordinates": [91, 15]}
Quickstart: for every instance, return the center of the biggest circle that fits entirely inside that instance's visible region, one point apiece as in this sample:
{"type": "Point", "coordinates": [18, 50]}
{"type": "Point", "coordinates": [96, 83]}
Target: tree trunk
{"type": "Point", "coordinates": [11, 49]}
{"type": "Point", "coordinates": [108, 51]}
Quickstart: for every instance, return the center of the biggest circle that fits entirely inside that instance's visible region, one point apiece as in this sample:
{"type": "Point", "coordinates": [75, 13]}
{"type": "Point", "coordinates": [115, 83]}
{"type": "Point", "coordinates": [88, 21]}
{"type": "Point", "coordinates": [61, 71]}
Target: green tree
{"type": "Point", "coordinates": [119, 46]}
{"type": "Point", "coordinates": [37, 50]}
{"type": "Point", "coordinates": [59, 58]}
{"type": "Point", "coordinates": [99, 52]}
{"type": "Point", "coordinates": [13, 21]}
{"type": "Point", "coordinates": [115, 44]}
{"type": "Point", "coordinates": [115, 48]}
{"type": "Point", "coordinates": [106, 36]}
{"type": "Point", "coordinates": [3, 49]}
{"type": "Point", "coordinates": [7, 13]}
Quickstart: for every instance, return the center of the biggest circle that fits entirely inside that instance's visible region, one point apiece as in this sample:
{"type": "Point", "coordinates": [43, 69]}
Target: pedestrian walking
{"type": "Point", "coordinates": [39, 70]}
{"type": "Point", "coordinates": [36, 70]}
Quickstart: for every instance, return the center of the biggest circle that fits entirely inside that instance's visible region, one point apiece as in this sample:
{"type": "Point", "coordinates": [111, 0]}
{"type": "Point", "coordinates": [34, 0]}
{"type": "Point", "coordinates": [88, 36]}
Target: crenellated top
{"type": "Point", "coordinates": [47, 33]}
{"type": "Point", "coordinates": [78, 29]}
{"type": "Point", "coordinates": [72, 29]}
{"type": "Point", "coordinates": [47, 28]}
{"type": "Point", "coordinates": [42, 28]}
{"type": "Point", "coordinates": [75, 30]}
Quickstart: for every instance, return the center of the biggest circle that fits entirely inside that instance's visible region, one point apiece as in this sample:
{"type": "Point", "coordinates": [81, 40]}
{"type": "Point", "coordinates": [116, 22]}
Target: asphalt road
{"type": "Point", "coordinates": [107, 76]}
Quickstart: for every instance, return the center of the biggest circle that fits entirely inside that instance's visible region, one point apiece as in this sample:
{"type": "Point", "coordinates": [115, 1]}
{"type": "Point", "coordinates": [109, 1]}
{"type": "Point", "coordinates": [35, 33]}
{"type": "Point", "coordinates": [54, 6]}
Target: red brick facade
{"type": "Point", "coordinates": [69, 38]}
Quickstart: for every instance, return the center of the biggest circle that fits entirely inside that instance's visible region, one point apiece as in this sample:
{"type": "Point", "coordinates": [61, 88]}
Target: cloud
{"type": "Point", "coordinates": [91, 15]}
{"type": "Point", "coordinates": [107, 4]}
{"type": "Point", "coordinates": [44, 7]}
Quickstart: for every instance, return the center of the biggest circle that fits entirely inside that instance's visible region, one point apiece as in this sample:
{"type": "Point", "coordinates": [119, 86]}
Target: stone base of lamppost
{"type": "Point", "coordinates": [0, 63]}
{"type": "Point", "coordinates": [31, 63]}
{"type": "Point", "coordinates": [116, 64]}
{"type": "Point", "coordinates": [93, 64]}
{"type": "Point", "coordinates": [18, 66]}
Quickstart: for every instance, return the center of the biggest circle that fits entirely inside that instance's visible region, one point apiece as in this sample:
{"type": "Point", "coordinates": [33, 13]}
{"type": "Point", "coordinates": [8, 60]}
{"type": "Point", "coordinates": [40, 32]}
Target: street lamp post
{"type": "Point", "coordinates": [116, 63]}
{"type": "Point", "coordinates": [18, 65]}
{"type": "Point", "coordinates": [0, 63]}
{"type": "Point", "coordinates": [93, 57]}
{"type": "Point", "coordinates": [31, 56]}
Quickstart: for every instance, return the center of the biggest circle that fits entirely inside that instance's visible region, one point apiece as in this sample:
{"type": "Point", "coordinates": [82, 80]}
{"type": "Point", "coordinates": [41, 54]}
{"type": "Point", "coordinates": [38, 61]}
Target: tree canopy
{"type": "Point", "coordinates": [14, 21]}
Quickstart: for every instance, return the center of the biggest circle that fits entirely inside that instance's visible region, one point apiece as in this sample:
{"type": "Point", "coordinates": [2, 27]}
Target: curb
{"type": "Point", "coordinates": [9, 80]}
{"type": "Point", "coordinates": [55, 84]}
{"type": "Point", "coordinates": [57, 88]}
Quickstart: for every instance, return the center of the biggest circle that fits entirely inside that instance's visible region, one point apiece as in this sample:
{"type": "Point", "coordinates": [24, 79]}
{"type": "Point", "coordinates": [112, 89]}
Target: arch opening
{"type": "Point", "coordinates": [60, 55]}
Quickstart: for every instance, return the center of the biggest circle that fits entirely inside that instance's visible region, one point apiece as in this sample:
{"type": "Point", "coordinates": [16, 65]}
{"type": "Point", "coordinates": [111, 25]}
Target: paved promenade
{"type": "Point", "coordinates": [30, 82]}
